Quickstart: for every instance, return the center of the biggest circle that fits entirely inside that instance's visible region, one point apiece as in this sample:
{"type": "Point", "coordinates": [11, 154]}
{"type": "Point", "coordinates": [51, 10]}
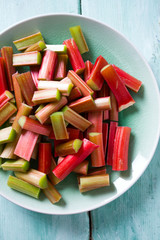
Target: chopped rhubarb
{"type": "Point", "coordinates": [113, 113]}
{"type": "Point", "coordinates": [83, 104]}
{"type": "Point", "coordinates": [97, 171]}
{"type": "Point", "coordinates": [26, 144]}
{"type": "Point", "coordinates": [74, 55]}
{"type": "Point", "coordinates": [60, 49]}
{"type": "Point", "coordinates": [130, 81]}
{"type": "Point", "coordinates": [34, 126]}
{"type": "Point", "coordinates": [19, 165]}
{"type": "Point", "coordinates": [97, 156]}
{"type": "Point", "coordinates": [61, 68]}
{"type": "Point", "coordinates": [3, 79]}
{"type": "Point", "coordinates": [7, 134]}
{"type": "Point", "coordinates": [34, 72]}
{"type": "Point", "coordinates": [7, 54]}
{"type": "Point", "coordinates": [88, 69]}
{"type": "Point", "coordinates": [96, 118]}
{"type": "Point", "coordinates": [120, 150]}
{"type": "Point", "coordinates": [6, 112]}
{"type": "Point", "coordinates": [52, 194]}
{"type": "Point", "coordinates": [44, 157]}
{"type": "Point", "coordinates": [39, 108]}
{"type": "Point", "coordinates": [78, 82]}
{"type": "Point", "coordinates": [111, 138]}
{"type": "Point", "coordinates": [45, 96]}
{"type": "Point", "coordinates": [96, 80]}
{"type": "Point", "coordinates": [118, 88]}
{"type": "Point", "coordinates": [75, 94]}
{"type": "Point", "coordinates": [5, 97]}
{"type": "Point", "coordinates": [105, 136]}
{"type": "Point", "coordinates": [17, 91]}
{"type": "Point", "coordinates": [23, 187]}
{"type": "Point", "coordinates": [73, 133]}
{"type": "Point", "coordinates": [100, 104]}
{"type": "Point", "coordinates": [39, 46]}
{"type": "Point", "coordinates": [82, 168]}
{"type": "Point", "coordinates": [75, 119]}
{"type": "Point", "coordinates": [105, 93]}
{"type": "Point", "coordinates": [59, 127]}
{"type": "Point", "coordinates": [70, 147]}
{"type": "Point", "coordinates": [26, 42]}
{"type": "Point", "coordinates": [54, 180]}
{"type": "Point", "coordinates": [50, 108]}
{"type": "Point", "coordinates": [8, 151]}
{"type": "Point", "coordinates": [27, 59]}
{"type": "Point", "coordinates": [70, 162]}
{"type": "Point", "coordinates": [78, 37]}
{"type": "Point", "coordinates": [27, 86]}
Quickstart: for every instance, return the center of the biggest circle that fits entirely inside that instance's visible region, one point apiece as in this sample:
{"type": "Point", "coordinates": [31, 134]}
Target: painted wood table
{"type": "Point", "coordinates": [135, 215]}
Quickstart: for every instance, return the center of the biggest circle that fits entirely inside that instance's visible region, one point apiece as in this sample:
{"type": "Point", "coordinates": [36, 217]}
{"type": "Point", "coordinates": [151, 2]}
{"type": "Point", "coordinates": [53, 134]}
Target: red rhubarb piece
{"type": "Point", "coordinates": [35, 72]}
{"type": "Point", "coordinates": [3, 79]}
{"type": "Point", "coordinates": [105, 93]}
{"type": "Point", "coordinates": [75, 94]}
{"type": "Point", "coordinates": [111, 137]}
{"type": "Point", "coordinates": [17, 91]}
{"type": "Point", "coordinates": [44, 158]}
{"type": "Point", "coordinates": [87, 70]}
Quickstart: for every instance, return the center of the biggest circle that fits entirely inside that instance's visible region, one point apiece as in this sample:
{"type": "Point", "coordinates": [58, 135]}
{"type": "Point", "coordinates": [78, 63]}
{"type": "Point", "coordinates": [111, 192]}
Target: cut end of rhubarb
{"type": "Point", "coordinates": [77, 144]}
{"type": "Point", "coordinates": [22, 121]}
{"type": "Point", "coordinates": [92, 85]}
{"type": "Point", "coordinates": [122, 107]}
{"type": "Point", "coordinates": [58, 95]}
{"type": "Point", "coordinates": [43, 182]}
{"type": "Point", "coordinates": [39, 58]}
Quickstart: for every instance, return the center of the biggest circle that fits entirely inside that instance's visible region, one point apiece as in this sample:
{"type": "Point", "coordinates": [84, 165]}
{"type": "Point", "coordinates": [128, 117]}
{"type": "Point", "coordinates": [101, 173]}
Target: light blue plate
{"type": "Point", "coordinates": [143, 117]}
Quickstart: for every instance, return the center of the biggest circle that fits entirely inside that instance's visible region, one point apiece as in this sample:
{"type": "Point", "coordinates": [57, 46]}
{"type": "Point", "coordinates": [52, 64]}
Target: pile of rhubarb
{"type": "Point", "coordinates": [55, 120]}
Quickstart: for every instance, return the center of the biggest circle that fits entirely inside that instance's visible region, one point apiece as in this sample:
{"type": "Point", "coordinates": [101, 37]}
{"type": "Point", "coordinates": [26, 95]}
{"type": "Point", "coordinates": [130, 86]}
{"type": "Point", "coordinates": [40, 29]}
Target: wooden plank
{"type": "Point", "coordinates": [134, 215]}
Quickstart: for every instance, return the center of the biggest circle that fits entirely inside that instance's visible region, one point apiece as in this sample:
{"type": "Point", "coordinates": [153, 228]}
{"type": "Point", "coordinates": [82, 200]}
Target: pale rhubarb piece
{"type": "Point", "coordinates": [118, 88]}
{"type": "Point", "coordinates": [5, 97]}
{"type": "Point", "coordinates": [59, 127]}
{"type": "Point", "coordinates": [101, 104]}
{"type": "Point", "coordinates": [33, 177]}
{"type": "Point", "coordinates": [50, 108]}
{"type": "Point", "coordinates": [3, 78]}
{"type": "Point", "coordinates": [78, 37]}
{"type": "Point", "coordinates": [69, 147]}
{"type": "Point", "coordinates": [75, 94]}
{"type": "Point", "coordinates": [19, 165]}
{"type": "Point", "coordinates": [58, 48]}
{"type": "Point", "coordinates": [61, 68]}
{"type": "Point", "coordinates": [52, 194]}
{"type": "Point", "coordinates": [23, 187]}
{"type": "Point", "coordinates": [27, 86]}
{"type": "Point", "coordinates": [27, 59]}
{"type": "Point", "coordinates": [7, 54]}
{"type": "Point", "coordinates": [75, 119]}
{"type": "Point", "coordinates": [27, 41]}
{"type": "Point", "coordinates": [83, 104]}
{"type": "Point", "coordinates": [26, 144]}
{"type": "Point", "coordinates": [48, 65]}
{"type": "Point", "coordinates": [45, 96]}
{"type": "Point", "coordinates": [17, 91]}
{"type": "Point", "coordinates": [8, 151]}
{"type": "Point", "coordinates": [87, 70]}
{"type": "Point", "coordinates": [39, 46]}
{"type": "Point", "coordinates": [7, 134]}
{"type": "Point", "coordinates": [6, 112]}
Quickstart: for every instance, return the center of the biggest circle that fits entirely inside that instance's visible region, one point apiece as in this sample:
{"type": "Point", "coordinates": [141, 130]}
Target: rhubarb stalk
{"type": "Point", "coordinates": [45, 96]}
{"type": "Point", "coordinates": [44, 158]}
{"type": "Point", "coordinates": [70, 147]}
{"type": "Point", "coordinates": [61, 68]}
{"type": "Point", "coordinates": [3, 79]}
{"type": "Point", "coordinates": [17, 91]}
{"type": "Point", "coordinates": [27, 59]}
{"type": "Point", "coordinates": [6, 112]}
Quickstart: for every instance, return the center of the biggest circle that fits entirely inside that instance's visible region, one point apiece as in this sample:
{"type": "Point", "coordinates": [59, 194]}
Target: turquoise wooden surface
{"type": "Point", "coordinates": [135, 215]}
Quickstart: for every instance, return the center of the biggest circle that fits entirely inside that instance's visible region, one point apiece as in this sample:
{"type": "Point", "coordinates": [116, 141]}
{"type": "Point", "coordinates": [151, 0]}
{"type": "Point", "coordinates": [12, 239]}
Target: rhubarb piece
{"type": "Point", "coordinates": [88, 183]}
{"type": "Point", "coordinates": [7, 54]}
{"type": "Point", "coordinates": [39, 46]}
{"type": "Point", "coordinates": [61, 86]}
{"type": "Point", "coordinates": [120, 149]}
{"type": "Point", "coordinates": [74, 55]}
{"type": "Point", "coordinates": [67, 80]}
{"type": "Point", "coordinates": [78, 82]}
{"type": "Point", "coordinates": [3, 79]}
{"type": "Point", "coordinates": [50, 108]}
{"type": "Point", "coordinates": [61, 68]}
{"type": "Point", "coordinates": [97, 171]}
{"type": "Point", "coordinates": [130, 81]}
{"type": "Point", "coordinates": [82, 168]}
{"type": "Point", "coordinates": [27, 86]}
{"type": "Point", "coordinates": [24, 110]}
{"type": "Point", "coordinates": [34, 126]}
{"type": "Point", "coordinates": [48, 65]}
{"type": "Point", "coordinates": [26, 144]}
{"type": "Point", "coordinates": [44, 158]}
{"type": "Point", "coordinates": [75, 119]}
{"type": "Point", "coordinates": [8, 151]}
{"type": "Point", "coordinates": [45, 96]}
{"type": "Point", "coordinates": [6, 112]}
{"type": "Point", "coordinates": [118, 88]}
{"type": "Point", "coordinates": [17, 91]}
{"type": "Point", "coordinates": [26, 42]}
{"type": "Point", "coordinates": [113, 113]}
{"type": "Point", "coordinates": [36, 148]}
{"type": "Point", "coordinates": [27, 59]}
{"type": "Point", "coordinates": [83, 104]}
{"type": "Point", "coordinates": [52, 194]}
{"type": "Point", "coordinates": [54, 180]}
{"type": "Point", "coordinates": [96, 118]}
{"type": "Point", "coordinates": [97, 156]}
{"type": "Point", "coordinates": [96, 80]}
{"type": "Point", "coordinates": [88, 69]}
{"type": "Point", "coordinates": [60, 49]}
{"type": "Point", "coordinates": [59, 127]}
{"type": "Point", "coordinates": [70, 162]}
{"type": "Point", "coordinates": [105, 93]}
{"type": "Point", "coordinates": [111, 138]}
{"type": "Point", "coordinates": [33, 177]}
{"type": "Point", "coordinates": [19, 165]}
{"type": "Point", "coordinates": [7, 134]}
{"type": "Point", "coordinates": [70, 147]}
{"type": "Point", "coordinates": [79, 39]}
{"type": "Point", "coordinates": [105, 136]}
{"type": "Point", "coordinates": [35, 72]}
{"type": "Point", "coordinates": [75, 94]}
{"type": "Point", "coordinates": [39, 108]}
{"type": "Point", "coordinates": [22, 186]}
{"type": "Point", "coordinates": [100, 104]}
{"type": "Point", "coordinates": [5, 97]}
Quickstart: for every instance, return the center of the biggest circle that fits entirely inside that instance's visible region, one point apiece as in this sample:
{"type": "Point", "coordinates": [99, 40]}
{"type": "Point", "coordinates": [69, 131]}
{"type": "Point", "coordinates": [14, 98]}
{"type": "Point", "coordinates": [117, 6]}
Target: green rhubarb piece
{"type": "Point", "coordinates": [39, 108]}
{"type": "Point", "coordinates": [26, 42]}
{"type": "Point", "coordinates": [58, 95]}
{"type": "Point", "coordinates": [24, 187]}
{"type": "Point", "coordinates": [78, 37]}
{"type": "Point", "coordinates": [77, 144]}
{"type": "Point", "coordinates": [39, 58]}
{"type": "Point", "coordinates": [7, 134]}
{"type": "Point", "coordinates": [57, 48]}
{"type": "Point", "coordinates": [39, 46]}
{"type": "Point", "coordinates": [19, 165]}
{"type": "Point", "coordinates": [33, 177]}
